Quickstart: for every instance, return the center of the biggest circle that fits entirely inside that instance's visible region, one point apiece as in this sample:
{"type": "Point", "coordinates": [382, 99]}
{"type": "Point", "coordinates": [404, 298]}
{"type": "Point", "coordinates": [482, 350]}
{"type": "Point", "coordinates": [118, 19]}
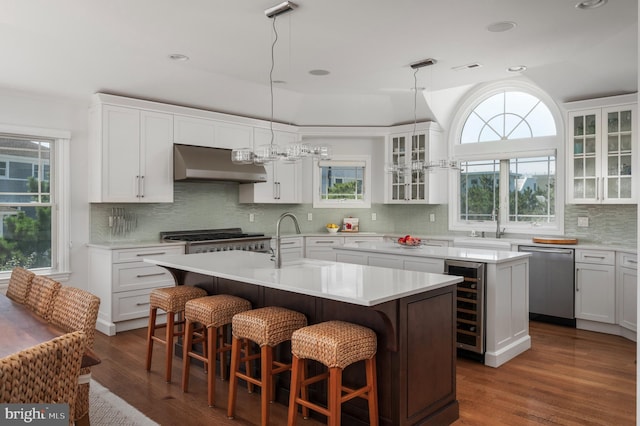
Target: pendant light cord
{"type": "Point", "coordinates": [273, 45]}
{"type": "Point", "coordinates": [415, 102]}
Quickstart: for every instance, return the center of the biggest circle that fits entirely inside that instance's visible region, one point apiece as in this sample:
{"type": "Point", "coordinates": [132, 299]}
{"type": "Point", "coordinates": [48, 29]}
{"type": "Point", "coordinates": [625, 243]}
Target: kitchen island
{"type": "Point", "coordinates": [506, 294]}
{"type": "Point", "coordinates": [412, 313]}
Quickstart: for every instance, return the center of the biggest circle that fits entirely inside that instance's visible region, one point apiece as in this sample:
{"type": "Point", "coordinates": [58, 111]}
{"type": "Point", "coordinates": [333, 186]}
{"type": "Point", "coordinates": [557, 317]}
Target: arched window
{"type": "Point", "coordinates": [506, 137]}
{"type": "Point", "coordinates": [508, 115]}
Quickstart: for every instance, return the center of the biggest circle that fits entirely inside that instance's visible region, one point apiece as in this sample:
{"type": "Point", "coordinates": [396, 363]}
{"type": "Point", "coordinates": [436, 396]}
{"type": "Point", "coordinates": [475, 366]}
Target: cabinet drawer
{"type": "Point", "coordinates": [324, 241]}
{"type": "Point", "coordinates": [139, 275]}
{"type": "Point", "coordinates": [363, 239]}
{"type": "Point", "coordinates": [131, 305]}
{"type": "Point", "coordinates": [601, 257]}
{"type": "Point", "coordinates": [288, 242]}
{"type": "Point", "coordinates": [435, 243]}
{"type": "Point", "coordinates": [136, 254]}
{"type": "Point", "coordinates": [627, 260]}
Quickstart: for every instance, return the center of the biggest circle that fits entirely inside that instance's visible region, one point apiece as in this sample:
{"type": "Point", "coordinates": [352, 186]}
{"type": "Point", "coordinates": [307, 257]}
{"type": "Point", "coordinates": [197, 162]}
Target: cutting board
{"type": "Point", "coordinates": [555, 240]}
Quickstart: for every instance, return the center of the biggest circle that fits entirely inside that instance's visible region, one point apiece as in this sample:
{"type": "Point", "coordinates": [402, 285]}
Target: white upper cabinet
{"type": "Point", "coordinates": [405, 150]}
{"type": "Point", "coordinates": [283, 185]}
{"type": "Point", "coordinates": [602, 152]}
{"type": "Point", "coordinates": [130, 155]}
{"type": "Point", "coordinates": [211, 133]}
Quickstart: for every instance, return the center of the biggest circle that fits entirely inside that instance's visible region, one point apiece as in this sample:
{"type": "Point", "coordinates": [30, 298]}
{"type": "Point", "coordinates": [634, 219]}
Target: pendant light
{"type": "Point", "coordinates": [272, 152]}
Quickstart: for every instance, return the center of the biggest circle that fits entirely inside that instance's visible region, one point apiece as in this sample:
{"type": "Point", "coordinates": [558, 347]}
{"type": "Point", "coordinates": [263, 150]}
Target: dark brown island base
{"type": "Point", "coordinates": [416, 359]}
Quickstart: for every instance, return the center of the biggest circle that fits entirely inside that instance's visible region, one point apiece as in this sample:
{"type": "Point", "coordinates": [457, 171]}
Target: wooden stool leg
{"type": "Point", "coordinates": [247, 365]}
{"type": "Point", "coordinates": [304, 392]}
{"type": "Point", "coordinates": [186, 358]}
{"type": "Point", "coordinates": [211, 364]}
{"type": "Point", "coordinates": [335, 394]}
{"type": "Point", "coordinates": [150, 329]}
{"type": "Point", "coordinates": [294, 390]}
{"type": "Point", "coordinates": [223, 354]}
{"type": "Point", "coordinates": [266, 364]}
{"type": "Point", "coordinates": [169, 342]}
{"type": "Point", "coordinates": [372, 394]}
{"type": "Point", "coordinates": [233, 379]}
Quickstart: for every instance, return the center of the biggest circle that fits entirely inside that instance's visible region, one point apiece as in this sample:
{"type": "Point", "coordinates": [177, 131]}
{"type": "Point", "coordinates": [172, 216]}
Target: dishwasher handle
{"type": "Point", "coordinates": [545, 250]}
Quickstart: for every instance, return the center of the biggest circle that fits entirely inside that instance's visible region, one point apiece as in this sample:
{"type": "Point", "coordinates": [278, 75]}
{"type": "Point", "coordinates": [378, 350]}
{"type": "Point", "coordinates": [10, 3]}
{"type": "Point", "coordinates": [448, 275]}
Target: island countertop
{"type": "Point", "coordinates": [344, 282]}
{"type": "Point", "coordinates": [451, 253]}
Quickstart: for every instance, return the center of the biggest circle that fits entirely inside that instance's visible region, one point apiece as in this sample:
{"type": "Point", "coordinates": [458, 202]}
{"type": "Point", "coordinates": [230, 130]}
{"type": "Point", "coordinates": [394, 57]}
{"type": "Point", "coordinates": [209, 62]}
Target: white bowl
{"type": "Point", "coordinates": [333, 230]}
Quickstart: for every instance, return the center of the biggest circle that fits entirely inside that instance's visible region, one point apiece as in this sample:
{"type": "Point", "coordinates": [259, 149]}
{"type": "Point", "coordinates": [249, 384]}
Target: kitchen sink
{"type": "Point", "coordinates": [482, 243]}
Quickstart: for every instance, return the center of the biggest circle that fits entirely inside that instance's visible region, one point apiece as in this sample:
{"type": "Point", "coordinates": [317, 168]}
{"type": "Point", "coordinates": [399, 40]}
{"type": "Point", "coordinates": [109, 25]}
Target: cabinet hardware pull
{"type": "Point", "coordinates": [587, 256]}
{"type": "Point", "coordinates": [632, 261]}
{"type": "Point", "coordinates": [142, 303]}
{"type": "Point", "coordinates": [149, 275]}
{"type": "Point", "coordinates": [141, 186]}
{"type": "Point", "coordinates": [287, 243]}
{"type": "Point", "coordinates": [324, 242]}
{"type": "Point", "coordinates": [151, 254]}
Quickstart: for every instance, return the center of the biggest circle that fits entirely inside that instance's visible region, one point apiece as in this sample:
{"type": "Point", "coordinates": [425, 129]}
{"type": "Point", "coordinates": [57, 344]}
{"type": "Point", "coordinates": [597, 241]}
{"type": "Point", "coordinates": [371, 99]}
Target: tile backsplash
{"type": "Point", "coordinates": [215, 205]}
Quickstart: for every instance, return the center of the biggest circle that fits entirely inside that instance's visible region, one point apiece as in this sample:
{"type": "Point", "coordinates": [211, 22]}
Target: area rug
{"type": "Point", "coordinates": [107, 409]}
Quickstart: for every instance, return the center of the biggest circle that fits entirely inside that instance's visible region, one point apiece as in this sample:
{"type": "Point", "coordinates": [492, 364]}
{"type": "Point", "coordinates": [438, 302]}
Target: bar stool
{"type": "Point", "coordinates": [336, 344]}
{"type": "Point", "coordinates": [213, 312]}
{"type": "Point", "coordinates": [268, 327]}
{"type": "Point", "coordinates": [171, 300]}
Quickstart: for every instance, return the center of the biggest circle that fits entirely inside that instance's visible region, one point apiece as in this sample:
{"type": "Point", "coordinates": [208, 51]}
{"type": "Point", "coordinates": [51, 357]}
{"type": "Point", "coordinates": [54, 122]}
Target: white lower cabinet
{"type": "Point", "coordinates": [123, 281]}
{"type": "Point", "coordinates": [321, 247]}
{"type": "Point", "coordinates": [291, 248]}
{"type": "Point", "coordinates": [627, 290]}
{"type": "Point", "coordinates": [595, 286]}
{"type": "Point", "coordinates": [423, 264]}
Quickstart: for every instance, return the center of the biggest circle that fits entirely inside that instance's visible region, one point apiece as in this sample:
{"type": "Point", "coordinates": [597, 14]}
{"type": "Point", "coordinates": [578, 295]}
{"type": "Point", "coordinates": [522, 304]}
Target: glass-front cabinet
{"type": "Point", "coordinates": [407, 153]}
{"type": "Point", "coordinates": [602, 146]}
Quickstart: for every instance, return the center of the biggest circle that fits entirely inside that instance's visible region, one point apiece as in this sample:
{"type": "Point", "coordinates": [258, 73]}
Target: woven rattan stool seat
{"type": "Point", "coordinates": [172, 299]}
{"type": "Point", "coordinates": [334, 343]}
{"type": "Point", "coordinates": [215, 311]}
{"type": "Point", "coordinates": [268, 326]}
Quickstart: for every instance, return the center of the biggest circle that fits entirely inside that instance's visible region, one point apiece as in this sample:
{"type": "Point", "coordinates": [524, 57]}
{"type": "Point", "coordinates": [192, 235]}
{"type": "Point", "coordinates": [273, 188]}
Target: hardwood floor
{"type": "Point", "coordinates": [568, 377]}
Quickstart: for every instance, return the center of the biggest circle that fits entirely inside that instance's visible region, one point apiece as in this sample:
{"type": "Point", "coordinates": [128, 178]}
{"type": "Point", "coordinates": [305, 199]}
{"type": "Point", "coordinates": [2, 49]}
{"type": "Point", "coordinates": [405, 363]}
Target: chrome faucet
{"type": "Point", "coordinates": [496, 217]}
{"type": "Point", "coordinates": [278, 258]}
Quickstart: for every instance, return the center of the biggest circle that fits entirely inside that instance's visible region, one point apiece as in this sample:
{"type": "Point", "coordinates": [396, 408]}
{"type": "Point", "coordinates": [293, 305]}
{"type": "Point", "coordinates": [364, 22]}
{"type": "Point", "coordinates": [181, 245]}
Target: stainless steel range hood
{"type": "Point", "coordinates": [197, 163]}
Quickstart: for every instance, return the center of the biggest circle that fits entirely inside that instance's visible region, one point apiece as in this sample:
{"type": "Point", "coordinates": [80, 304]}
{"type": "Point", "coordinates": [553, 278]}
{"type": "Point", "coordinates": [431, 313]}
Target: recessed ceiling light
{"type": "Point", "coordinates": [178, 57]}
{"type": "Point", "coordinates": [499, 27]}
{"type": "Point", "coordinates": [591, 4]}
{"type": "Point", "coordinates": [319, 72]}
{"type": "Point", "coordinates": [517, 68]}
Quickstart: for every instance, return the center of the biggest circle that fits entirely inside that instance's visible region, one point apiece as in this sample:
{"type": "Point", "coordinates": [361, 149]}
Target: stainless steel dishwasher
{"type": "Point", "coordinates": [551, 284]}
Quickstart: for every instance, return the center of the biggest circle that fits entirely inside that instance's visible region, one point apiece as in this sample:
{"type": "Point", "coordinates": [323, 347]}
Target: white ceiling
{"type": "Point", "coordinates": [74, 48]}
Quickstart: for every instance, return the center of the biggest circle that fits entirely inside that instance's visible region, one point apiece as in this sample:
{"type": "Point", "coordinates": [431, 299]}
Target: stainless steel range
{"type": "Point", "coordinates": [212, 240]}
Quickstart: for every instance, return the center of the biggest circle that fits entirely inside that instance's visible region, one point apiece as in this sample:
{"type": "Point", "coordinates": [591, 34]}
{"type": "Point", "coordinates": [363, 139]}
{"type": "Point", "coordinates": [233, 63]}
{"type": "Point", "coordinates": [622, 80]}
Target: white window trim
{"type": "Point", "coordinates": [365, 203]}
{"type": "Point", "coordinates": [60, 260]}
{"type": "Point", "coordinates": [542, 146]}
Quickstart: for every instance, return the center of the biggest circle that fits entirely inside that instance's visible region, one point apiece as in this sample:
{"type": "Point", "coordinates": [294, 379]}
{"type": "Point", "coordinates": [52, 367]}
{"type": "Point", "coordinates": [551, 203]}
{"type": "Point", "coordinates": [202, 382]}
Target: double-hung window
{"type": "Point", "coordinates": [509, 145]}
{"type": "Point", "coordinates": [33, 230]}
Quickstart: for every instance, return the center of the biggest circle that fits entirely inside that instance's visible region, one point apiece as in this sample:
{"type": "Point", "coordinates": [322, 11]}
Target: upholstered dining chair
{"type": "Point", "coordinates": [45, 373]}
{"type": "Point", "coordinates": [75, 309]}
{"type": "Point", "coordinates": [41, 295]}
{"type": "Point", "coordinates": [19, 284]}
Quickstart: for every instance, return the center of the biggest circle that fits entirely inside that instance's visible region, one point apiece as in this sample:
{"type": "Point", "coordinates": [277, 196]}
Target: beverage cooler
{"type": "Point", "coordinates": [470, 328]}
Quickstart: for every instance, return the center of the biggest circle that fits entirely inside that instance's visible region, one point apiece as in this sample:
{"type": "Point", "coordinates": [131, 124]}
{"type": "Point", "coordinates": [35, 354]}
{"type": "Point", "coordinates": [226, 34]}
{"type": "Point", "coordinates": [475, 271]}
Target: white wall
{"type": "Point", "coordinates": [25, 109]}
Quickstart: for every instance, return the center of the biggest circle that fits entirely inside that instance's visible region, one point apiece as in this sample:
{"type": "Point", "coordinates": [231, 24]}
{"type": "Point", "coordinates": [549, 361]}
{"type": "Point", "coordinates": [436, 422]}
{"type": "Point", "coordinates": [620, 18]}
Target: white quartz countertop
{"type": "Point", "coordinates": [452, 253]}
{"type": "Point", "coordinates": [344, 282]}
